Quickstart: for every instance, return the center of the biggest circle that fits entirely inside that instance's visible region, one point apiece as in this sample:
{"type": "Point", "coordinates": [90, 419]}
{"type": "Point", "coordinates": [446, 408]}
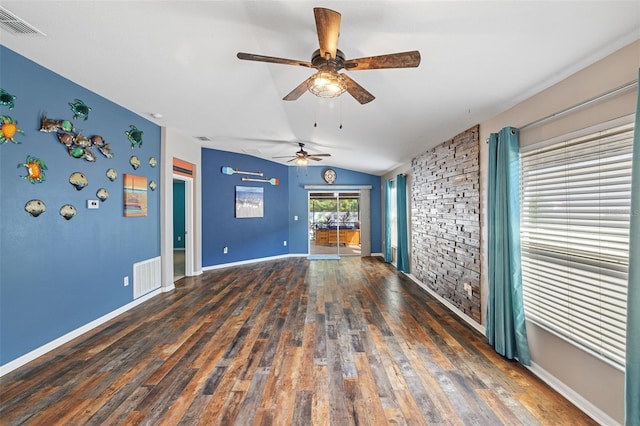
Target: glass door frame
{"type": "Point", "coordinates": [334, 230]}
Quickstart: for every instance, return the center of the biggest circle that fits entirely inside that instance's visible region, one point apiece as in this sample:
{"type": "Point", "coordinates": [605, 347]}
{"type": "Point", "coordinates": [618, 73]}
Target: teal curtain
{"type": "Point", "coordinates": [632, 369]}
{"type": "Point", "coordinates": [387, 221]}
{"type": "Point", "coordinates": [401, 206]}
{"type": "Point", "coordinates": [505, 310]}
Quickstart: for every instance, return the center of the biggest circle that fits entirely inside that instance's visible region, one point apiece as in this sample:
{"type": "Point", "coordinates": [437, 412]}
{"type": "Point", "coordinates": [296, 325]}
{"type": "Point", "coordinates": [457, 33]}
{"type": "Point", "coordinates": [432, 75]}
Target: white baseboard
{"type": "Point", "coordinates": [466, 318]}
{"type": "Point", "coordinates": [28, 357]}
{"type": "Point", "coordinates": [574, 397]}
{"type": "Point", "coordinates": [249, 261]}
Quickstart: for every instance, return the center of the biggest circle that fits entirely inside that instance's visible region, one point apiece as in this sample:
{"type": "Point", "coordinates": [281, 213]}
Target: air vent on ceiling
{"type": "Point", "coordinates": [203, 138]}
{"type": "Point", "coordinates": [15, 25]}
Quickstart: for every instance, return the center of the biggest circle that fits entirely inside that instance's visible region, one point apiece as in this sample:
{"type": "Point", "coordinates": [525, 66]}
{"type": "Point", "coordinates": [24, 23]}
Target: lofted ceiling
{"type": "Point", "coordinates": [178, 59]}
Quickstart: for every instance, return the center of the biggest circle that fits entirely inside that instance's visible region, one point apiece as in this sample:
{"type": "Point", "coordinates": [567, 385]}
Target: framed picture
{"type": "Point", "coordinates": [249, 201]}
{"type": "Point", "coordinates": [135, 195]}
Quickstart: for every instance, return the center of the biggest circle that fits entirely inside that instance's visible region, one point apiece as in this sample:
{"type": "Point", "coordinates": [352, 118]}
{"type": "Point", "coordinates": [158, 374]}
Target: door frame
{"type": "Point", "coordinates": [188, 225]}
{"type": "Point", "coordinates": [365, 210]}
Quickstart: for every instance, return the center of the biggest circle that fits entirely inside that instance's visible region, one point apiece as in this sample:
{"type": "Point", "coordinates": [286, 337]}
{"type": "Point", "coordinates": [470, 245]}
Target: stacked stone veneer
{"type": "Point", "coordinates": [445, 220]}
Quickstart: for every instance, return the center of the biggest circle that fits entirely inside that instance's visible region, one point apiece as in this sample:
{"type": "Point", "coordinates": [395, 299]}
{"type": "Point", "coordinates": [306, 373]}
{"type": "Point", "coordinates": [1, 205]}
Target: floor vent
{"type": "Point", "coordinates": [146, 276]}
{"type": "Point", "coordinates": [15, 25]}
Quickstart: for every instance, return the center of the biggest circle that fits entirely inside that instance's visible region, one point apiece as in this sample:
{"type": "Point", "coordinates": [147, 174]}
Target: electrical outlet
{"type": "Point", "coordinates": [284, 243]}
{"type": "Point", "coordinates": [225, 250]}
{"type": "Point", "coordinates": [125, 282]}
{"type": "Point", "coordinates": [179, 238]}
{"type": "Point", "coordinates": [468, 289]}
{"type": "Point", "coordinates": [93, 204]}
{"type": "Point", "coordinates": [295, 217]}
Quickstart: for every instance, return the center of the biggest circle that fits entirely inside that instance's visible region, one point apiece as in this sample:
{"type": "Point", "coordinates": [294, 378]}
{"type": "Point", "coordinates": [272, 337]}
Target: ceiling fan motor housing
{"type": "Point", "coordinates": [328, 64]}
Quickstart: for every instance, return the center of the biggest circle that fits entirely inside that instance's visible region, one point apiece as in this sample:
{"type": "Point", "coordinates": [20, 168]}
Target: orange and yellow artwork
{"type": "Point", "coordinates": [135, 195]}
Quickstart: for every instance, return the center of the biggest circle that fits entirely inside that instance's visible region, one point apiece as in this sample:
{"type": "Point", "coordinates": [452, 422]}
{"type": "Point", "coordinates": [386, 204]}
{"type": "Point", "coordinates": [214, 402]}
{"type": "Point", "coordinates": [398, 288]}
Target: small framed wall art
{"type": "Point", "coordinates": [135, 195]}
{"type": "Point", "coordinates": [249, 201]}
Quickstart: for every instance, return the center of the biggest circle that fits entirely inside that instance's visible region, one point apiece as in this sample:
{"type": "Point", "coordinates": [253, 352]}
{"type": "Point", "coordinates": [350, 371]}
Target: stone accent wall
{"type": "Point", "coordinates": [445, 220]}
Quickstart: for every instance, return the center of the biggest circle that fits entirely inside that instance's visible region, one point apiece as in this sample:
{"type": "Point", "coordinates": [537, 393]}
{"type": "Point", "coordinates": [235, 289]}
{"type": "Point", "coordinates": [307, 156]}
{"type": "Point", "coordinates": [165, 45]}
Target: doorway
{"type": "Point", "coordinates": [183, 260]}
{"type": "Point", "coordinates": [334, 224]}
{"type": "Point", "coordinates": [179, 229]}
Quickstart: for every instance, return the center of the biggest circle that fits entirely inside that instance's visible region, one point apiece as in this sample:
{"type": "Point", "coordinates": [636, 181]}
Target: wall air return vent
{"type": "Point", "coordinates": [15, 25]}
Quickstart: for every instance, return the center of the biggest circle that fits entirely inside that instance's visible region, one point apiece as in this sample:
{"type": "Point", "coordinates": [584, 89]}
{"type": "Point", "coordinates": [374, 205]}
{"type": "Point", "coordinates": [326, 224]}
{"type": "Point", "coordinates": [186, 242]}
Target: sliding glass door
{"type": "Point", "coordinates": [334, 223]}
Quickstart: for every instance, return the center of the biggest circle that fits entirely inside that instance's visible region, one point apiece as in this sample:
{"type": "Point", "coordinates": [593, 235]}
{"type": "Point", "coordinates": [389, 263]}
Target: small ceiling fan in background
{"type": "Point", "coordinates": [328, 60]}
{"type": "Point", "coordinates": [301, 157]}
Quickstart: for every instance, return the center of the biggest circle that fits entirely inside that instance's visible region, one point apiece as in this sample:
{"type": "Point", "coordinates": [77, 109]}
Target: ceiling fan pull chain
{"type": "Point", "coordinates": [315, 121]}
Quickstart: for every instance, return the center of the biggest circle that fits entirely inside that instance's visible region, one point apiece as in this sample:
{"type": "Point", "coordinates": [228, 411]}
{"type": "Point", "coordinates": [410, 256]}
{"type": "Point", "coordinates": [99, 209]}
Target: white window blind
{"type": "Point", "coordinates": [575, 239]}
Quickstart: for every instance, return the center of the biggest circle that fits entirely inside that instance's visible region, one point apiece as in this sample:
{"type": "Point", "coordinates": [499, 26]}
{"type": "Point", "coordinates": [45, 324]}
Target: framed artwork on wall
{"type": "Point", "coordinates": [135, 195]}
{"type": "Point", "coordinates": [249, 201]}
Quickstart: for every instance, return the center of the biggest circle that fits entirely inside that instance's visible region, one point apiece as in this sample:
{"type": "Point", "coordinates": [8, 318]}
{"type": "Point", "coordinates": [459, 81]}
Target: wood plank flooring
{"type": "Point", "coordinates": [285, 342]}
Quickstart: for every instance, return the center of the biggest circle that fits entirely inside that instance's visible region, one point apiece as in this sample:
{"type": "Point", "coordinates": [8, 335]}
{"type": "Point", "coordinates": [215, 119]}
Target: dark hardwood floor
{"type": "Point", "coordinates": [293, 341]}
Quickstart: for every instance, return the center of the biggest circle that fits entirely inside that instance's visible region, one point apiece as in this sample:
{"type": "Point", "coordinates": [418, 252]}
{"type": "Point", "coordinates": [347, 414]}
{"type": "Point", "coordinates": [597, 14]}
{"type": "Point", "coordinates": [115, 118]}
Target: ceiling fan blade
{"type": "Point", "coordinates": [297, 92]}
{"type": "Point", "coordinates": [272, 59]}
{"type": "Point", "coordinates": [328, 28]}
{"type": "Point", "coordinates": [286, 156]}
{"type": "Point", "coordinates": [319, 155]}
{"type": "Point", "coordinates": [393, 60]}
{"type": "Point", "coordinates": [357, 91]}
{"type": "Point", "coordinates": [311, 157]}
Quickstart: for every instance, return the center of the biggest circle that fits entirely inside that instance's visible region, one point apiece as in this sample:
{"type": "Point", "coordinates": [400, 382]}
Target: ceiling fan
{"type": "Point", "coordinates": [301, 157]}
{"type": "Point", "coordinates": [328, 60]}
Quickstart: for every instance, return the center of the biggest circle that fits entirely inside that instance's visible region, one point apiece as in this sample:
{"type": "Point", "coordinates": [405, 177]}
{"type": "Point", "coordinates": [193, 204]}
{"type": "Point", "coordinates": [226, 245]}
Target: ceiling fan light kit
{"type": "Point", "coordinates": [302, 157]}
{"type": "Point", "coordinates": [326, 84]}
{"type": "Point", "coordinates": [328, 60]}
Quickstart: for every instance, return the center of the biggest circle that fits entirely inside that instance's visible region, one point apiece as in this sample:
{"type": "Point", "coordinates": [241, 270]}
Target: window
{"type": "Point", "coordinates": [575, 198]}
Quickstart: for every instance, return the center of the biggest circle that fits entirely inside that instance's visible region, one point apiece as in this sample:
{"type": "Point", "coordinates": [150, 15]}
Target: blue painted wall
{"type": "Point", "coordinates": [178, 214]}
{"type": "Point", "coordinates": [246, 238]}
{"type": "Point", "coordinates": [58, 275]}
{"type": "Point", "coordinates": [257, 238]}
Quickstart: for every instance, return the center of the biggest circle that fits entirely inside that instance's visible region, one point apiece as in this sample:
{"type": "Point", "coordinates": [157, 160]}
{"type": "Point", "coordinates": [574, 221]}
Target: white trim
{"type": "Point", "coordinates": [478, 327]}
{"type": "Point", "coordinates": [189, 260]}
{"type": "Point", "coordinates": [28, 357]}
{"type": "Point", "coordinates": [600, 127]}
{"type": "Point", "coordinates": [574, 397]}
{"type": "Point", "coordinates": [338, 187]}
{"type": "Point", "coordinates": [249, 261]}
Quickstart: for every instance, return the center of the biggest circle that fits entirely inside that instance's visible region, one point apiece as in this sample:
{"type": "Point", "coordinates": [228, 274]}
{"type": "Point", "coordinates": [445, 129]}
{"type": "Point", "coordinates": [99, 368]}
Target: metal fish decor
{"type": "Point", "coordinates": [49, 125]}
{"type": "Point", "coordinates": [78, 145]}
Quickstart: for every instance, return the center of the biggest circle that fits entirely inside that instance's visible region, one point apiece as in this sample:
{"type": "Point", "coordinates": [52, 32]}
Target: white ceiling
{"type": "Point", "coordinates": [178, 58]}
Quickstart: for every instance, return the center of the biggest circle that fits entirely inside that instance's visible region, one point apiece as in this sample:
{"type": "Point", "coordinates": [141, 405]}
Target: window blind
{"type": "Point", "coordinates": [575, 201]}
